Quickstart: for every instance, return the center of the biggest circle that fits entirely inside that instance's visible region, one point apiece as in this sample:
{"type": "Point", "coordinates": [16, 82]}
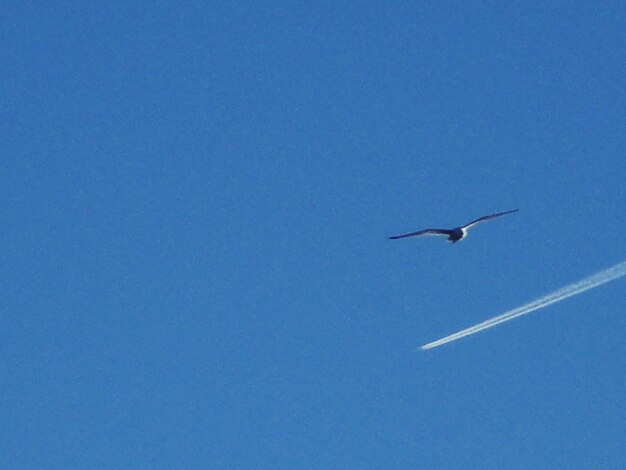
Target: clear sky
{"type": "Point", "coordinates": [195, 201]}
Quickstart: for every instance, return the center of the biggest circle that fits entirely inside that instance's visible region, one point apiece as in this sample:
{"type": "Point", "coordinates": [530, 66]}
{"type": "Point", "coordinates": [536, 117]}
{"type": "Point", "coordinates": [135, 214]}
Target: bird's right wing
{"type": "Point", "coordinates": [421, 233]}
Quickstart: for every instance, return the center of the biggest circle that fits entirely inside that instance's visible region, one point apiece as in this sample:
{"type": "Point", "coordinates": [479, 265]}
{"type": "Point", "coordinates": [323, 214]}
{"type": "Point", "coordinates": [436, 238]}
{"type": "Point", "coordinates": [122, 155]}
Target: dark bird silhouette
{"type": "Point", "coordinates": [454, 234]}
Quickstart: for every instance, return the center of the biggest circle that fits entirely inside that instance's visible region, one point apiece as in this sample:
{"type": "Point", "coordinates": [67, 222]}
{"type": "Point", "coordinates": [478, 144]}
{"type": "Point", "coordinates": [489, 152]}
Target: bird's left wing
{"type": "Point", "coordinates": [488, 217]}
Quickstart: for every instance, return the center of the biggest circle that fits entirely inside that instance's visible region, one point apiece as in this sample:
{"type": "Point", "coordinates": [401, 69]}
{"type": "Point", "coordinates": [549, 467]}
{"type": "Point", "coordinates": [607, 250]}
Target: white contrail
{"type": "Point", "coordinates": [608, 275]}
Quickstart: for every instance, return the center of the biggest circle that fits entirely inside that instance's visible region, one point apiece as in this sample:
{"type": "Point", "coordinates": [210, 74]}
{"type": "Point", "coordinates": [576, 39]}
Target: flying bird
{"type": "Point", "coordinates": [454, 234]}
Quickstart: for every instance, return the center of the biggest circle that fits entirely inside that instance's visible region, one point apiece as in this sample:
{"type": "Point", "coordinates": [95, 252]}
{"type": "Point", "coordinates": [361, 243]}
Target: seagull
{"type": "Point", "coordinates": [454, 234]}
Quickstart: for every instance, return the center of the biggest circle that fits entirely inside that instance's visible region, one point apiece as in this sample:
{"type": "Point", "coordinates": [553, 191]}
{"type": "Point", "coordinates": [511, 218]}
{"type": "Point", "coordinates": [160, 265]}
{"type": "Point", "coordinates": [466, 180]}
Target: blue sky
{"type": "Point", "coordinates": [196, 200]}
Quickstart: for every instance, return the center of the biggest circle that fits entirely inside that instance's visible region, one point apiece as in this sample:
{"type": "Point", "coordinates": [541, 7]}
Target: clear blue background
{"type": "Point", "coordinates": [195, 202]}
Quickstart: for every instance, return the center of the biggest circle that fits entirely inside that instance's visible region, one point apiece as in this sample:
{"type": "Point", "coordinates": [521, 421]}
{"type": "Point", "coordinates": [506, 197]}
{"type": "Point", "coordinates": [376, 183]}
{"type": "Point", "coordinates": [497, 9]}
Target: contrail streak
{"type": "Point", "coordinates": [595, 280]}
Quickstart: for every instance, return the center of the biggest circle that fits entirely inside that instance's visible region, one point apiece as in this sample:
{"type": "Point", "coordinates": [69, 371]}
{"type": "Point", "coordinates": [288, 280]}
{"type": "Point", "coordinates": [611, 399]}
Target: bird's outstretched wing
{"type": "Point", "coordinates": [487, 217]}
{"type": "Point", "coordinates": [420, 233]}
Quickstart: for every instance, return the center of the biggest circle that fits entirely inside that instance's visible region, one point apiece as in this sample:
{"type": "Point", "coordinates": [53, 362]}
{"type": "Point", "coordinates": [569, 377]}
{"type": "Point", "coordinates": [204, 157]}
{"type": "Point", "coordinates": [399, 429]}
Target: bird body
{"type": "Point", "coordinates": [454, 234]}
